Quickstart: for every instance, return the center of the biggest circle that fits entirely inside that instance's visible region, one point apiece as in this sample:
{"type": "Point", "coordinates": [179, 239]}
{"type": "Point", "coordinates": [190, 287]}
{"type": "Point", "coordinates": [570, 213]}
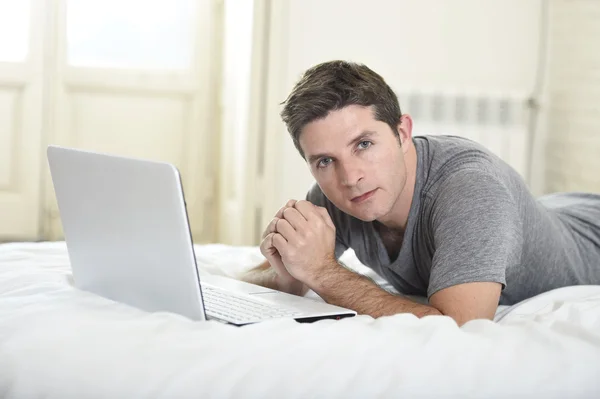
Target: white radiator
{"type": "Point", "coordinates": [496, 120]}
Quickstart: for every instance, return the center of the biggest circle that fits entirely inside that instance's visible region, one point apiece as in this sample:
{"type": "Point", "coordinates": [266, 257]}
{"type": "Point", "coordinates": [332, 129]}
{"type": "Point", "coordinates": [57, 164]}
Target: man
{"type": "Point", "coordinates": [436, 216]}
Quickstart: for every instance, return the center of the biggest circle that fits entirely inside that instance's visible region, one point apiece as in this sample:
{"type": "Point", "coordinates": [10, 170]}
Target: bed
{"type": "Point", "coordinates": [60, 342]}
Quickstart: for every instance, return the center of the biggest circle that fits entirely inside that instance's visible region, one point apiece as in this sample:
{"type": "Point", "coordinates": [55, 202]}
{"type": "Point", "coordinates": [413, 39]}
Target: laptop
{"type": "Point", "coordinates": [127, 233]}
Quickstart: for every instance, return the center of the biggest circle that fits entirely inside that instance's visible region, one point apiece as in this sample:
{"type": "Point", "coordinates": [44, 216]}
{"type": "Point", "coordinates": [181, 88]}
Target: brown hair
{"type": "Point", "coordinates": [334, 85]}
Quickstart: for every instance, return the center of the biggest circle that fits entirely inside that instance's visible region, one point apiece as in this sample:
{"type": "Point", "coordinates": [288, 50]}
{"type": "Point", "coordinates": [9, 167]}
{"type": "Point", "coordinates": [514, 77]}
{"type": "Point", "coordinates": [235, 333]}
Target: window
{"type": "Point", "coordinates": [138, 34]}
{"type": "Point", "coordinates": [14, 30]}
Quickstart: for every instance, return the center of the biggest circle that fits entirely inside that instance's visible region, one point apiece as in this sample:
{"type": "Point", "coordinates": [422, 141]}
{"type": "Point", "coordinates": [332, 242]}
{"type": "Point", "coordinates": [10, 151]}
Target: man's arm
{"type": "Point", "coordinates": [468, 301]}
{"type": "Point", "coordinates": [262, 275]}
{"type": "Point", "coordinates": [265, 276]}
{"type": "Point", "coordinates": [342, 287]}
{"type": "Point", "coordinates": [462, 302]}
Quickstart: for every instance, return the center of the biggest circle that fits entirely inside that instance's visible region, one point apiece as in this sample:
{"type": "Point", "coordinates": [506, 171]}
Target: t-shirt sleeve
{"type": "Point", "coordinates": [316, 196]}
{"type": "Point", "coordinates": [477, 230]}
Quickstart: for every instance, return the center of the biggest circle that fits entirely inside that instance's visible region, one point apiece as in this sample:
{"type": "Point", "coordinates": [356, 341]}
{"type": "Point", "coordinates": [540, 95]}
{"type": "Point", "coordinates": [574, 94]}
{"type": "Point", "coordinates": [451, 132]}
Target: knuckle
{"type": "Point", "coordinates": [267, 240]}
{"type": "Point", "coordinates": [317, 225]}
{"type": "Point", "coordinates": [263, 247]}
{"type": "Point", "coordinates": [303, 202]}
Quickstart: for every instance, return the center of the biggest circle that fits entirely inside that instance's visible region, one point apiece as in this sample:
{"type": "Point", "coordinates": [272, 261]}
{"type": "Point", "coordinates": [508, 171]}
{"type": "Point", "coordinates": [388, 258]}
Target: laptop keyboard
{"type": "Point", "coordinates": [227, 306]}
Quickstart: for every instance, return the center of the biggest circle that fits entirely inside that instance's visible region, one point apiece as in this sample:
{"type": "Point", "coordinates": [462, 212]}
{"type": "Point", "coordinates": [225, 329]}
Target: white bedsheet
{"type": "Point", "coordinates": [59, 342]}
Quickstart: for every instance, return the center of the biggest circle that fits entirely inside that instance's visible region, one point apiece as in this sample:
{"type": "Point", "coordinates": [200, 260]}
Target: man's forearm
{"type": "Point", "coordinates": [342, 287]}
{"type": "Point", "coordinates": [265, 276]}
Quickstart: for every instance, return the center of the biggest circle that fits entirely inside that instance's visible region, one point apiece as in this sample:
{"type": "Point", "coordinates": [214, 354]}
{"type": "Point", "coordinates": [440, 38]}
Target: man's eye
{"type": "Point", "coordinates": [324, 162]}
{"type": "Point", "coordinates": [364, 144]}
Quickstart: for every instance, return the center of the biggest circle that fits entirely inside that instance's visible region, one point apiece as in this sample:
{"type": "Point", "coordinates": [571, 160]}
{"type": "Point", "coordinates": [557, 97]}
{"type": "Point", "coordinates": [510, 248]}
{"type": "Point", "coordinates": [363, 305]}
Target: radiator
{"type": "Point", "coordinates": [497, 120]}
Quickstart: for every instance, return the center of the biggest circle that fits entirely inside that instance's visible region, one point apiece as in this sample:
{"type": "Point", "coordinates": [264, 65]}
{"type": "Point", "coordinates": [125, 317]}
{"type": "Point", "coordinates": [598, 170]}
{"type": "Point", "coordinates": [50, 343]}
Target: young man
{"type": "Point", "coordinates": [436, 216]}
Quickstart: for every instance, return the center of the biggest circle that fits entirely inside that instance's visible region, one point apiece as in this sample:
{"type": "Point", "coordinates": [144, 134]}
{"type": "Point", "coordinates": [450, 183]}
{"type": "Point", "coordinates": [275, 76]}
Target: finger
{"type": "Point", "coordinates": [266, 246]}
{"type": "Point", "coordinates": [279, 213]}
{"type": "Point", "coordinates": [279, 242]}
{"type": "Point", "coordinates": [289, 204]}
{"type": "Point", "coordinates": [306, 209]}
{"type": "Point", "coordinates": [295, 218]}
{"type": "Point", "coordinates": [325, 215]}
{"type": "Point", "coordinates": [271, 227]}
{"type": "Point", "coordinates": [267, 241]}
{"type": "Point", "coordinates": [285, 229]}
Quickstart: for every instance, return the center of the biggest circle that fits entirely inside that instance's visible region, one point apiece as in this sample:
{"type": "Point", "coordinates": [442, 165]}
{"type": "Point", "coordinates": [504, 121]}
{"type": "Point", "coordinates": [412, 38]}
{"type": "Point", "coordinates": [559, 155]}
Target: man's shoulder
{"type": "Point", "coordinates": [452, 160]}
{"type": "Point", "coordinates": [445, 150]}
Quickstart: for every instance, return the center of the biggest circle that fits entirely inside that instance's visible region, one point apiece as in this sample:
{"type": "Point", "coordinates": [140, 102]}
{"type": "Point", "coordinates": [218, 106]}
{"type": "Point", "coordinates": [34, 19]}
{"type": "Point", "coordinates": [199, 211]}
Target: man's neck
{"type": "Point", "coordinates": [397, 218]}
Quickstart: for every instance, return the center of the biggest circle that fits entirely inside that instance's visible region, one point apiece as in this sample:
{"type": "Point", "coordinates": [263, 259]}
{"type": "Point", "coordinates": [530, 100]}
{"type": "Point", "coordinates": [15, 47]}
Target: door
{"type": "Point", "coordinates": [21, 99]}
{"type": "Point", "coordinates": [139, 79]}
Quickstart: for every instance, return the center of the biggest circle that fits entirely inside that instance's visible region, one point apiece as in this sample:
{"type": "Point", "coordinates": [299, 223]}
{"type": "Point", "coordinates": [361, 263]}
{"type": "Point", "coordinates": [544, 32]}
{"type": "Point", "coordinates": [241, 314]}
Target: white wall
{"type": "Point", "coordinates": [483, 44]}
{"type": "Point", "coordinates": [469, 45]}
{"type": "Point", "coordinates": [573, 96]}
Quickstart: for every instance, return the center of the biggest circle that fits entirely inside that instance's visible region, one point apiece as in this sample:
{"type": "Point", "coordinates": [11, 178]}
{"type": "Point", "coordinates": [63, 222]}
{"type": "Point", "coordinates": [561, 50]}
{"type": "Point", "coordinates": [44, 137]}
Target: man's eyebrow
{"type": "Point", "coordinates": [364, 135]}
{"type": "Point", "coordinates": [315, 157]}
{"type": "Point", "coordinates": [360, 137]}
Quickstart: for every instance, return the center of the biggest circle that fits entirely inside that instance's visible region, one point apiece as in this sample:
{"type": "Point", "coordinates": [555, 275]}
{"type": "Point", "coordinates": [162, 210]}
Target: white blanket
{"type": "Point", "coordinates": [59, 342]}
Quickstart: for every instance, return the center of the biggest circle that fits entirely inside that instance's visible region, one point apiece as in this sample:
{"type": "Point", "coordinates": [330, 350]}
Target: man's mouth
{"type": "Point", "coordinates": [363, 197]}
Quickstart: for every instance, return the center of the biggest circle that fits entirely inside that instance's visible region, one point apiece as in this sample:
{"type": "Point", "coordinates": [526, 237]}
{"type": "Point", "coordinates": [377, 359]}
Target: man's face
{"type": "Point", "coordinates": [356, 160]}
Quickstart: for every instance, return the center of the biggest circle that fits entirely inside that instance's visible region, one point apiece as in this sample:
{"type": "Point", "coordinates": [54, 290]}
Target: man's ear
{"type": "Point", "coordinates": [404, 128]}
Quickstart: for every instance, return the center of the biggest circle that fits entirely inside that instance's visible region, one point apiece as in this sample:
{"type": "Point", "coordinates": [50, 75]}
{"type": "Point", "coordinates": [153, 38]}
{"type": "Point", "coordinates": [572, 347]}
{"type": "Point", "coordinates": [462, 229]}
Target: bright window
{"type": "Point", "coordinates": [14, 30]}
{"type": "Point", "coordinates": [138, 34]}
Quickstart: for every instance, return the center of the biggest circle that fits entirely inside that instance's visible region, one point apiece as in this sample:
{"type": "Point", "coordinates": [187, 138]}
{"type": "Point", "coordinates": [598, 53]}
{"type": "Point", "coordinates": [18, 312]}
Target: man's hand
{"type": "Point", "coordinates": [285, 281]}
{"type": "Point", "coordinates": [305, 238]}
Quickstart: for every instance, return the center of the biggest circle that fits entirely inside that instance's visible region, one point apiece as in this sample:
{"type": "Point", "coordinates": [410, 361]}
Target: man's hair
{"type": "Point", "coordinates": [333, 85]}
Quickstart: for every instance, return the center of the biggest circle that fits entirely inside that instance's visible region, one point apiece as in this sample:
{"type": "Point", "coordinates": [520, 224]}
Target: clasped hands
{"type": "Point", "coordinates": [299, 244]}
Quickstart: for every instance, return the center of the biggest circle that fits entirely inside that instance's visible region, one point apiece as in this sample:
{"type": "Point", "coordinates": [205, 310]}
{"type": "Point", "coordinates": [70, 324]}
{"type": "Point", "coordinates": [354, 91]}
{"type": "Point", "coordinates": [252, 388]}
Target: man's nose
{"type": "Point", "coordinates": [350, 174]}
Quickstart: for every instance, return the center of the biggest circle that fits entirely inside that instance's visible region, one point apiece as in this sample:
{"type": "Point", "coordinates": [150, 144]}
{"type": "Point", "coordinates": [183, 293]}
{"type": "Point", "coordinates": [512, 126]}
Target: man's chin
{"type": "Point", "coordinates": [367, 219]}
{"type": "Point", "coordinates": [365, 216]}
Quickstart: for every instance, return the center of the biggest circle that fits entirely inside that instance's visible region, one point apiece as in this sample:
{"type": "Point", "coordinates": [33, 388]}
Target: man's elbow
{"type": "Point", "coordinates": [428, 311]}
{"type": "Point", "coordinates": [460, 319]}
{"type": "Point", "coordinates": [432, 311]}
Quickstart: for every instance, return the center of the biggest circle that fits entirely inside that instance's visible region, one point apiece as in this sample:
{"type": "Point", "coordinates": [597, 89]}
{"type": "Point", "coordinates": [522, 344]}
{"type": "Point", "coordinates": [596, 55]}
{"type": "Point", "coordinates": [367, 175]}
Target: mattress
{"type": "Point", "coordinates": [59, 342]}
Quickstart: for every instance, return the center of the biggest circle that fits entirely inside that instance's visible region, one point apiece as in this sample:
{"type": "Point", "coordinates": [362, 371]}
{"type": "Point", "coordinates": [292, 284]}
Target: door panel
{"type": "Point", "coordinates": [21, 85]}
{"type": "Point", "coordinates": [145, 96]}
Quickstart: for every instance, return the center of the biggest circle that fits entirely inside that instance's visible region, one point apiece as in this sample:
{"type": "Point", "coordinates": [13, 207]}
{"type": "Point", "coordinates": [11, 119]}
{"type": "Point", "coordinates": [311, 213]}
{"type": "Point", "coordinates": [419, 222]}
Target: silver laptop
{"type": "Point", "coordinates": [128, 238]}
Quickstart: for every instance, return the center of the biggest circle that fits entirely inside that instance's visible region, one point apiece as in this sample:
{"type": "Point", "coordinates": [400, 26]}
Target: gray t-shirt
{"type": "Point", "coordinates": [473, 219]}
